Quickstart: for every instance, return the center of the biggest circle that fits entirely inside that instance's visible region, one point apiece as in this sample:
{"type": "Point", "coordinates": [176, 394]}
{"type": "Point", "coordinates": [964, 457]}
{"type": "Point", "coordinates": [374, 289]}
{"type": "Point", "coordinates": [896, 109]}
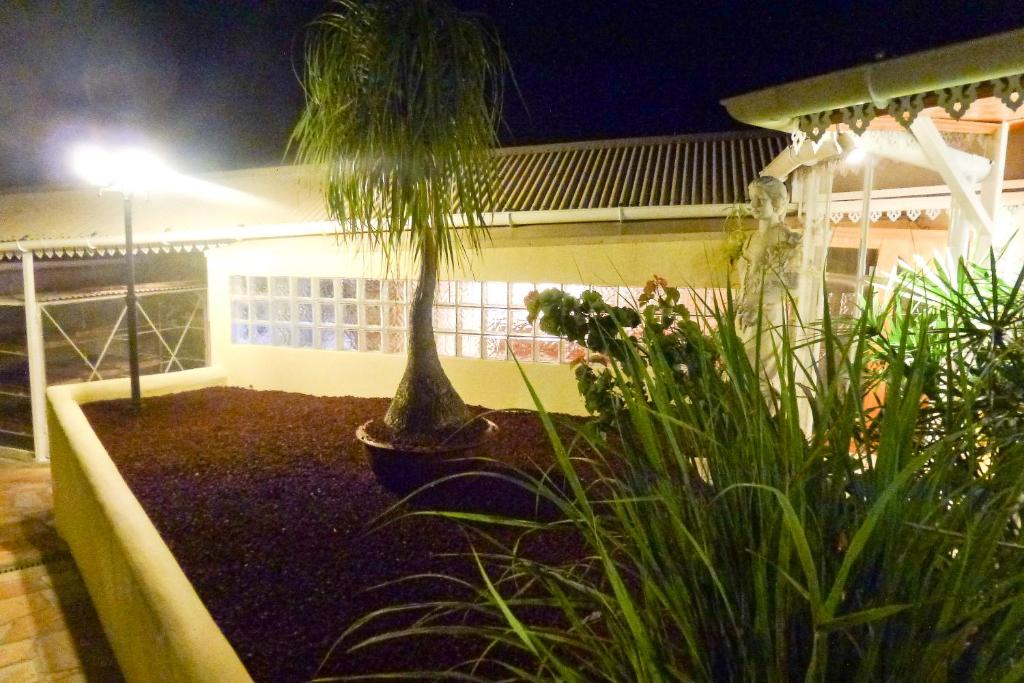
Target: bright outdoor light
{"type": "Point", "coordinates": [129, 170]}
{"type": "Point", "coordinates": [132, 170]}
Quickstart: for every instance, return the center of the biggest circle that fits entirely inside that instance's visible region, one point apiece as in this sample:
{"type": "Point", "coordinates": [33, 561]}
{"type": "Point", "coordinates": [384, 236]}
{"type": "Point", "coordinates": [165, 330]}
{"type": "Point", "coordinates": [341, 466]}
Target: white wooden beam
{"type": "Point", "coordinates": [806, 154]}
{"type": "Point", "coordinates": [962, 193]}
{"type": "Point", "coordinates": [904, 148]}
{"type": "Point", "coordinates": [36, 359]}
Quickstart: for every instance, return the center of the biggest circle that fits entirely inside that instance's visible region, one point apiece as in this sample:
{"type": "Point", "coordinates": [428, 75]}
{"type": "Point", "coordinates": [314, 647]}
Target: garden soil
{"type": "Point", "coordinates": [268, 503]}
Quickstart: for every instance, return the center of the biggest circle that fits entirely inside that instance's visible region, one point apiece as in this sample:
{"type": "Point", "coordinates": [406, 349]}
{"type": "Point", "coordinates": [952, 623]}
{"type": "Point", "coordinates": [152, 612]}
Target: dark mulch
{"type": "Point", "coordinates": [266, 500]}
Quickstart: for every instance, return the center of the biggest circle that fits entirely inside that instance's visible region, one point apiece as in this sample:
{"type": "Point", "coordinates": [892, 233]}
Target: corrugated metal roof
{"type": "Point", "coordinates": [664, 171]}
{"type": "Point", "coordinates": [676, 171]}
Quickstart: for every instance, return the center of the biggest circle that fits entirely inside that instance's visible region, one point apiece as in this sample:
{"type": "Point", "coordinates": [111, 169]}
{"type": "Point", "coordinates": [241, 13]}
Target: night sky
{"type": "Point", "coordinates": [212, 86]}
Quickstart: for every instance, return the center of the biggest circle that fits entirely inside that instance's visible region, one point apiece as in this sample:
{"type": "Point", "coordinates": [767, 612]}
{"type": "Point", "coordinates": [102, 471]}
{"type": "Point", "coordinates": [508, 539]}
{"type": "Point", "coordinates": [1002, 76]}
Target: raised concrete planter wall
{"type": "Point", "coordinates": [155, 622]}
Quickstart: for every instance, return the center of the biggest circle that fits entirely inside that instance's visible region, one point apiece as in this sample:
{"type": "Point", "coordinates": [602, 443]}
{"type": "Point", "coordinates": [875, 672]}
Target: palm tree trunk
{"type": "Point", "coordinates": [426, 404]}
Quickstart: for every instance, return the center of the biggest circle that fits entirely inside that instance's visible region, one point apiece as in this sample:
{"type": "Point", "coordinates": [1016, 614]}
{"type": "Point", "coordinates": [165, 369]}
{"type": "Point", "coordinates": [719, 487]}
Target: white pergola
{"type": "Point", "coordinates": [902, 110]}
{"type": "Point", "coordinates": [899, 110]}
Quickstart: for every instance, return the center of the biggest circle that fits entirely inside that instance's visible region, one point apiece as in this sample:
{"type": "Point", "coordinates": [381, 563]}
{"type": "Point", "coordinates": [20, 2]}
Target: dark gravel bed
{"type": "Point", "coordinates": [268, 503]}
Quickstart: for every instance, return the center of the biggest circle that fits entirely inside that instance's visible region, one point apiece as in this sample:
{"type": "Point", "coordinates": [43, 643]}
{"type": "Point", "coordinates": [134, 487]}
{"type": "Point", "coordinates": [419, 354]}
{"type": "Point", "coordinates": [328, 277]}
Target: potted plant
{"type": "Point", "coordinates": [403, 99]}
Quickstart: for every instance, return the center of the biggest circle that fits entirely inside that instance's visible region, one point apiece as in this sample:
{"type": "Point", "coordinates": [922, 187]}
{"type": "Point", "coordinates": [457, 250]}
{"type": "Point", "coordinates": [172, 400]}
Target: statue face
{"type": "Point", "coordinates": [761, 204]}
{"type": "Point", "coordinates": [768, 198]}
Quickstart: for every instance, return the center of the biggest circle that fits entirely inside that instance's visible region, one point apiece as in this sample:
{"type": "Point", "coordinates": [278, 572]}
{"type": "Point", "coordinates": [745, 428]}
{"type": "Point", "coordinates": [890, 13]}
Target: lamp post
{"type": "Point", "coordinates": [129, 302]}
{"type": "Point", "coordinates": [127, 172]}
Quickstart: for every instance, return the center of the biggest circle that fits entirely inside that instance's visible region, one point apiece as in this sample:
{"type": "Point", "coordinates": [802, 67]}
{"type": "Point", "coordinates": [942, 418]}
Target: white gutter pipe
{"type": "Point", "coordinates": [624, 214]}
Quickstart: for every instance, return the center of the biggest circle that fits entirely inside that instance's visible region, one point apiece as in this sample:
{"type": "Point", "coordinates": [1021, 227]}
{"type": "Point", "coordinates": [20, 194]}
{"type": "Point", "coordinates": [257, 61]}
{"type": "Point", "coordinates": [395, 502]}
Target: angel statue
{"type": "Point", "coordinates": [768, 269]}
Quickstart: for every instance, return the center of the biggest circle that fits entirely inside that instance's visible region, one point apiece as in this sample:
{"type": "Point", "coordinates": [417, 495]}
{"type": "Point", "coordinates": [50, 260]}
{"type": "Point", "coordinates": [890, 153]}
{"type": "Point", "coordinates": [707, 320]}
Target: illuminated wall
{"type": "Point", "coordinates": [297, 364]}
{"type": "Point", "coordinates": [320, 324]}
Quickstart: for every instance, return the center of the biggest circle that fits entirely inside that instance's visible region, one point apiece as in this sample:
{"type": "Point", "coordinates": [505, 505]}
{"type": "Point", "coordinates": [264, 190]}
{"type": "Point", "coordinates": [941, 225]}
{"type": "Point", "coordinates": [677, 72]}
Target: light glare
{"type": "Point", "coordinates": [130, 170]}
{"type": "Point", "coordinates": [92, 164]}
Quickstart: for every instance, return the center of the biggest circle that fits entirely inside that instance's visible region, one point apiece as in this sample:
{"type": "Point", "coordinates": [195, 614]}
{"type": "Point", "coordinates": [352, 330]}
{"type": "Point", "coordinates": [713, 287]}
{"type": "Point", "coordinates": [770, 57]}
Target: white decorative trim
{"type": "Point", "coordinates": [1010, 90]}
{"type": "Point", "coordinates": [905, 109]}
{"type": "Point", "coordinates": [815, 125]}
{"type": "Point", "coordinates": [89, 249]}
{"type": "Point", "coordinates": [893, 215]}
{"type": "Point", "coordinates": [858, 117]}
{"type": "Point", "coordinates": [956, 100]}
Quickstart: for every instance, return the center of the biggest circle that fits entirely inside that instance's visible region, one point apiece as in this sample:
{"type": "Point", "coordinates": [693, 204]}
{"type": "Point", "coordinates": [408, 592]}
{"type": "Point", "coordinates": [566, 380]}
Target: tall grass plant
{"type": "Point", "coordinates": [723, 543]}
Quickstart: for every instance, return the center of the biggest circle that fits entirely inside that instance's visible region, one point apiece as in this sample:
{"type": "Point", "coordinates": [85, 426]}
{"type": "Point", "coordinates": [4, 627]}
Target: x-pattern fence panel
{"type": "Point", "coordinates": [85, 338]}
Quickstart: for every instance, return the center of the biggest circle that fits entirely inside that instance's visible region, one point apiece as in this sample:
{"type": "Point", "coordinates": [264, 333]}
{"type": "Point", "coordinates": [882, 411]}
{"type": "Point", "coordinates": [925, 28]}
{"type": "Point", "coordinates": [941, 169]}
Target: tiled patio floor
{"type": "Point", "coordinates": [48, 628]}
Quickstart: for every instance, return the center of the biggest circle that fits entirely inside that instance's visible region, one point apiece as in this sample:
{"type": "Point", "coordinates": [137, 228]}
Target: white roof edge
{"type": "Point", "coordinates": [778, 107]}
{"type": "Point", "coordinates": [910, 197]}
{"type": "Point", "coordinates": [197, 238]}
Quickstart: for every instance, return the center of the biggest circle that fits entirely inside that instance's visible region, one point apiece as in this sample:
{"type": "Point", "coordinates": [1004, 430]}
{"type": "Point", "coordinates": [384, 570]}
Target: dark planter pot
{"type": "Point", "coordinates": [403, 468]}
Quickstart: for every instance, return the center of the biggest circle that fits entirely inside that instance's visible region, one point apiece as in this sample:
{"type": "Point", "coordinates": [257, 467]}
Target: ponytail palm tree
{"type": "Point", "coordinates": [403, 99]}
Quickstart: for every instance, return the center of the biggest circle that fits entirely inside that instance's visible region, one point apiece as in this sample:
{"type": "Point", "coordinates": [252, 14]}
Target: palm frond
{"type": "Point", "coordinates": [403, 100]}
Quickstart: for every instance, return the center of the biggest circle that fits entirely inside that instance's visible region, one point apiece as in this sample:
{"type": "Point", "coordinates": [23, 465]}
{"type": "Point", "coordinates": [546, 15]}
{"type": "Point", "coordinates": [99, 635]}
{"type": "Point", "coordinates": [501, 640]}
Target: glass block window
{"type": "Point", "coordinates": [472, 319]}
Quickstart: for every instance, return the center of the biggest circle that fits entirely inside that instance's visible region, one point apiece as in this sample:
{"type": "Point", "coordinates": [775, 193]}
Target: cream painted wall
{"type": "Point", "coordinates": [1015, 152]}
{"type": "Point", "coordinates": [893, 244]}
{"type": "Point", "coordinates": [593, 256]}
{"type": "Point", "coordinates": [155, 622]}
{"type": "Point", "coordinates": [490, 383]}
{"type": "Point", "coordinates": [692, 259]}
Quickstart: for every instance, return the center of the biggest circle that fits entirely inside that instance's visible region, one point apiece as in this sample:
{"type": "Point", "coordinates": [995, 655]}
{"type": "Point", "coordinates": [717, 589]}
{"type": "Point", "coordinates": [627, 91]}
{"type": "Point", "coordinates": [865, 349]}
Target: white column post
{"type": "Point", "coordinates": [959, 240]}
{"type": "Point", "coordinates": [805, 286]}
{"type": "Point", "coordinates": [816, 201]}
{"type": "Point", "coordinates": [992, 195]}
{"type": "Point", "coordinates": [36, 358]}
{"type": "Point", "coordinates": [208, 329]}
{"type": "Point", "coordinates": [865, 222]}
